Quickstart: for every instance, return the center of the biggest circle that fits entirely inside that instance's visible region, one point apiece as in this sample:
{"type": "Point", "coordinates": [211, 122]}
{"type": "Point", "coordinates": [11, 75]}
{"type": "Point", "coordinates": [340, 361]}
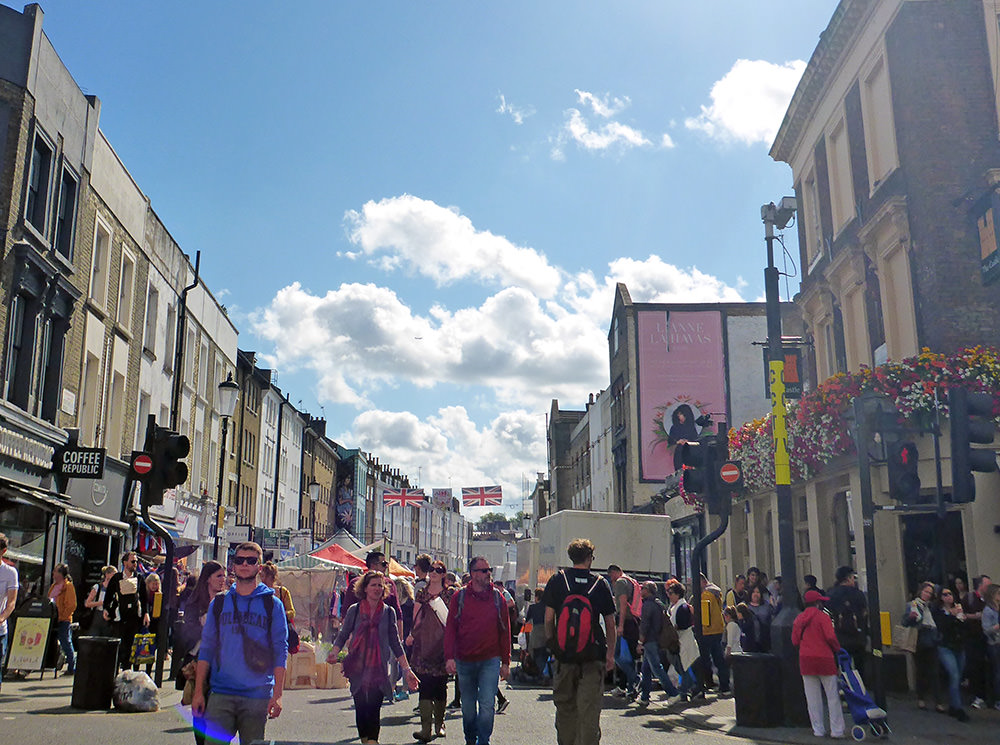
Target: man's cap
{"type": "Point", "coordinates": [814, 596]}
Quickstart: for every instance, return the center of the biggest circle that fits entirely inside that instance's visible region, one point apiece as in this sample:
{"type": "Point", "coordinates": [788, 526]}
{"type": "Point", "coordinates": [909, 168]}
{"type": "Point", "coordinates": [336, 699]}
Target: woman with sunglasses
{"type": "Point", "coordinates": [370, 625]}
{"type": "Point", "coordinates": [950, 620]}
{"type": "Point", "coordinates": [427, 654]}
{"type": "Point", "coordinates": [920, 613]}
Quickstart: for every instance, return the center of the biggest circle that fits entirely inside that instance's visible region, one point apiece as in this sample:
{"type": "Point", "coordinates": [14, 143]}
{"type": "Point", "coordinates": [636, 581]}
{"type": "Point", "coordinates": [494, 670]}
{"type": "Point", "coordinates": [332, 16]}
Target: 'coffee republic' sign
{"type": "Point", "coordinates": [80, 463]}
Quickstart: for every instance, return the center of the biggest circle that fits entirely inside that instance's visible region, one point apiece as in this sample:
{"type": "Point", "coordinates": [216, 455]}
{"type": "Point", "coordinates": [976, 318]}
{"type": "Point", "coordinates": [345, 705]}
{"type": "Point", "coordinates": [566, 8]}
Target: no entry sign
{"type": "Point", "coordinates": [731, 475]}
{"type": "Point", "coordinates": [142, 464]}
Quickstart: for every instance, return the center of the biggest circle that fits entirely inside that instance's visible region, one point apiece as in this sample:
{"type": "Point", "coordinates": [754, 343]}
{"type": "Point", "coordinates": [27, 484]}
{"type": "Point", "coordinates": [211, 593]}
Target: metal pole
{"type": "Point", "coordinates": [782, 466]}
{"type": "Point", "coordinates": [218, 496]}
{"type": "Point", "coordinates": [175, 396]}
{"type": "Point", "coordinates": [863, 434]}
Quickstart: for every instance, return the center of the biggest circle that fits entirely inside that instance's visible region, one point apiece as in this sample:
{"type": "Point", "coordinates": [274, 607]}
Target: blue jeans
{"type": "Point", "coordinates": [66, 642]}
{"type": "Point", "coordinates": [953, 663]}
{"type": "Point", "coordinates": [479, 682]}
{"type": "Point", "coordinates": [651, 665]}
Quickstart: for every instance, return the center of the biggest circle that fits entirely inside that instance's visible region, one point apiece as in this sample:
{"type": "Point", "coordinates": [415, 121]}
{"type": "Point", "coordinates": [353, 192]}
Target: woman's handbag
{"type": "Point", "coordinates": [905, 637]}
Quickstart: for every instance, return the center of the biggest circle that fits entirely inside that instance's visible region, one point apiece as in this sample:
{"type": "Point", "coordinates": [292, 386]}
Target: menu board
{"type": "Point", "coordinates": [27, 647]}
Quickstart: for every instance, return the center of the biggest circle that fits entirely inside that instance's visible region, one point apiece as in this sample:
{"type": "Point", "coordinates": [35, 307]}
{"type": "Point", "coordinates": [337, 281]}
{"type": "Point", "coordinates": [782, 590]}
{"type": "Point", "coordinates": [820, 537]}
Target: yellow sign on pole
{"type": "Point", "coordinates": [886, 628]}
{"type": "Point", "coordinates": [782, 467]}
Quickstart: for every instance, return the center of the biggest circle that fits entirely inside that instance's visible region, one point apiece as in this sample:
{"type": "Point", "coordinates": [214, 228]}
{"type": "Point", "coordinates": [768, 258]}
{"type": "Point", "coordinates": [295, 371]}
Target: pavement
{"type": "Point", "coordinates": [910, 725]}
{"type": "Point", "coordinates": [39, 712]}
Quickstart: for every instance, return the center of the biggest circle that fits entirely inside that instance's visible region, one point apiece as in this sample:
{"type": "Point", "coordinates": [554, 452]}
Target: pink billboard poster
{"type": "Point", "coordinates": [681, 376]}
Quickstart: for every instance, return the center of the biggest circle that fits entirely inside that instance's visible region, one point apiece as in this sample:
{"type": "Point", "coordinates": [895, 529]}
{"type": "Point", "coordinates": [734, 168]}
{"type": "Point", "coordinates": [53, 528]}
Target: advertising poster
{"type": "Point", "coordinates": [681, 377]}
{"type": "Point", "coordinates": [27, 648]}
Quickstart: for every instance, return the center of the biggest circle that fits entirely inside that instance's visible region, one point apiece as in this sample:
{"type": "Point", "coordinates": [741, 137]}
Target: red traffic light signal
{"type": "Point", "coordinates": [904, 477]}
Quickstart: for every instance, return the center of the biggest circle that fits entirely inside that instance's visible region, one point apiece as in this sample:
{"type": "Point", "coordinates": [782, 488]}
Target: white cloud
{"type": "Point", "coordinates": [606, 134]}
{"type": "Point", "coordinates": [444, 245]}
{"type": "Point", "coordinates": [517, 113]}
{"type": "Point", "coordinates": [360, 338]}
{"type": "Point", "coordinates": [450, 448]}
{"type": "Point", "coordinates": [610, 134]}
{"type": "Point", "coordinates": [511, 354]}
{"type": "Point", "coordinates": [749, 102]}
{"type": "Point", "coordinates": [603, 107]}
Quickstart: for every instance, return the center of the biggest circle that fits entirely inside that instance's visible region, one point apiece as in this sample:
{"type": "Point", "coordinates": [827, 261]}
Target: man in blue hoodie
{"type": "Point", "coordinates": [244, 645]}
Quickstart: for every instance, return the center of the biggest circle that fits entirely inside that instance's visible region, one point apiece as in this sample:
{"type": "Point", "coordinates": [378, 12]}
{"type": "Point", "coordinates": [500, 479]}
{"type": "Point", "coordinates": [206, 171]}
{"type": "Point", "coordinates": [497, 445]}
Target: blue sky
{"type": "Point", "coordinates": [417, 212]}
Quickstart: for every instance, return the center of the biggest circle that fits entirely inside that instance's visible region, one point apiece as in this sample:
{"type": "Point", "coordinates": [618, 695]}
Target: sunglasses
{"type": "Point", "coordinates": [439, 570]}
{"type": "Point", "coordinates": [485, 570]}
{"type": "Point", "coordinates": [382, 563]}
{"type": "Point", "coordinates": [251, 560]}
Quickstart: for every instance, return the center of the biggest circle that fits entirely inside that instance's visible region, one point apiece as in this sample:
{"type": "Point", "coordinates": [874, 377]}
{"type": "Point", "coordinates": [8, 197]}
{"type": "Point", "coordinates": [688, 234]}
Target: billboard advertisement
{"type": "Point", "coordinates": [681, 377]}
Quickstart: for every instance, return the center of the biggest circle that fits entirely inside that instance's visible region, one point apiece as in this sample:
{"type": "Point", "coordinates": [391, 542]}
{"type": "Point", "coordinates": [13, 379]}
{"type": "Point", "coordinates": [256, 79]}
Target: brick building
{"type": "Point", "coordinates": [893, 142]}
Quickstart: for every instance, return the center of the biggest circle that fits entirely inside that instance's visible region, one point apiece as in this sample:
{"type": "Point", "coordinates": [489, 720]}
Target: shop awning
{"type": "Point", "coordinates": [34, 495]}
{"type": "Point", "coordinates": [81, 519]}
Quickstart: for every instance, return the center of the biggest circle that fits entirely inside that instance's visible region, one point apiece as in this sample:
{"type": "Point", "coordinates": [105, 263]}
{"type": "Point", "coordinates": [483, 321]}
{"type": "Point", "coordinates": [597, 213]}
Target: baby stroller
{"type": "Point", "coordinates": [861, 705]}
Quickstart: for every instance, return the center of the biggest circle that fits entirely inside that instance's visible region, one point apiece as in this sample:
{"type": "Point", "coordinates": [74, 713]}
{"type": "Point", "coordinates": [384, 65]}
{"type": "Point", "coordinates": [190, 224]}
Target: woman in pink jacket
{"type": "Point", "coordinates": [813, 634]}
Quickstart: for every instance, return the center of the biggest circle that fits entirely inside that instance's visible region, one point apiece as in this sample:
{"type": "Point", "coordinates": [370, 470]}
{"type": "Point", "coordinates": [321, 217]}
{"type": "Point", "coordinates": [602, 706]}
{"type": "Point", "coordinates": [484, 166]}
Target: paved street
{"type": "Point", "coordinates": [39, 713]}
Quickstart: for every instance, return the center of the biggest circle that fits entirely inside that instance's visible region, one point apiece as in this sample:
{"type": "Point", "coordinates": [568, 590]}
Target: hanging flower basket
{"type": "Point", "coordinates": [817, 424]}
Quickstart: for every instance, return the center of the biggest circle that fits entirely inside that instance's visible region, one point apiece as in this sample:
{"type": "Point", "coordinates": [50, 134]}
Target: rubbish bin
{"type": "Point", "coordinates": [757, 689]}
{"type": "Point", "coordinates": [96, 664]}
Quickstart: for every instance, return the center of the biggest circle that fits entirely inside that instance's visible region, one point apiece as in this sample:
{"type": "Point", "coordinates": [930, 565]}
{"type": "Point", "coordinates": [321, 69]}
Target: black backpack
{"type": "Point", "coordinates": [575, 639]}
{"type": "Point", "coordinates": [846, 624]}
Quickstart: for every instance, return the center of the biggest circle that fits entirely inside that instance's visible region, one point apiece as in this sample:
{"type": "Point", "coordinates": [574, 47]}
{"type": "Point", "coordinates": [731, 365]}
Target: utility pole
{"type": "Point", "coordinates": [793, 693]}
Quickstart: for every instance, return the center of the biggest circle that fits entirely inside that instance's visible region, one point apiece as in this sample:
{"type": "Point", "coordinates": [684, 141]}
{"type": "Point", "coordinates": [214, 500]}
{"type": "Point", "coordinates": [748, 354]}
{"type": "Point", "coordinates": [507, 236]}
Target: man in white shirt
{"type": "Point", "coordinates": [8, 595]}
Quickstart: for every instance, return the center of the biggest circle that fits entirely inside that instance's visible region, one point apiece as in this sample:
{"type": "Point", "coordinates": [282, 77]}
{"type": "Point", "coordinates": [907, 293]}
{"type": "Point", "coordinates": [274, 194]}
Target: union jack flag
{"type": "Point", "coordinates": [481, 496]}
{"type": "Point", "coordinates": [403, 497]}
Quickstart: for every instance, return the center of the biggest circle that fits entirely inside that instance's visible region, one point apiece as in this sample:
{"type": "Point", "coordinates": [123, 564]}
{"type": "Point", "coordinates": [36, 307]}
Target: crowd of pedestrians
{"type": "Point", "coordinates": [582, 634]}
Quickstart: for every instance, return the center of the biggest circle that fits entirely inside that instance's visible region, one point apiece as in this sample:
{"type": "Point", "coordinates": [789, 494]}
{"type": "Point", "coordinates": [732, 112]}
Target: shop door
{"type": "Point", "coordinates": [933, 549]}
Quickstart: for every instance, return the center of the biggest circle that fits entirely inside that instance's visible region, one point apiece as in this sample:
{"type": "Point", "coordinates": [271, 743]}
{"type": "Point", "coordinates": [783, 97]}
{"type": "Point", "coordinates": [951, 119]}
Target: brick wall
{"type": "Point", "coordinates": [946, 132]}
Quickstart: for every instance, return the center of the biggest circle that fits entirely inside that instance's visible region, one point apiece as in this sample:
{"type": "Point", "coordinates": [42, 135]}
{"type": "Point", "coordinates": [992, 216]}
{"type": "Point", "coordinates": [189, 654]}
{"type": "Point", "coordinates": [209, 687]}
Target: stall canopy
{"type": "Point", "coordinates": [398, 570]}
{"type": "Point", "coordinates": [305, 561]}
{"type": "Point", "coordinates": [338, 554]}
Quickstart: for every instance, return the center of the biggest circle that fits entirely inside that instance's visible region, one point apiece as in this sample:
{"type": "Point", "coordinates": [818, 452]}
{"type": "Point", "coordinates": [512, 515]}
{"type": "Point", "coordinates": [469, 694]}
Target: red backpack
{"type": "Point", "coordinates": [574, 640]}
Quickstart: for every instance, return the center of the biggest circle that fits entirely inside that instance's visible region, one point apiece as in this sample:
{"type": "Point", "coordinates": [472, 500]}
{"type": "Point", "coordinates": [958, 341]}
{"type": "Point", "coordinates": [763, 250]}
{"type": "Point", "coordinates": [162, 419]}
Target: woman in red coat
{"type": "Point", "coordinates": [813, 634]}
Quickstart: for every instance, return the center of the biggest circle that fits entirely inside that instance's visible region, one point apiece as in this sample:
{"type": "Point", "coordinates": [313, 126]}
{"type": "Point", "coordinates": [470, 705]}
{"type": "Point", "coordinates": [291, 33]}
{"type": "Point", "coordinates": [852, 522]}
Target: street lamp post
{"type": "Point", "coordinates": [229, 392]}
{"type": "Point", "coordinates": [314, 489]}
{"type": "Point", "coordinates": [778, 216]}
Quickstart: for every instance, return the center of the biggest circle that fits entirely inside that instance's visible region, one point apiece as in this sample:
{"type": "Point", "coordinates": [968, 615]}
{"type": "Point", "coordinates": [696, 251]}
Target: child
{"type": "Point", "coordinates": [733, 632]}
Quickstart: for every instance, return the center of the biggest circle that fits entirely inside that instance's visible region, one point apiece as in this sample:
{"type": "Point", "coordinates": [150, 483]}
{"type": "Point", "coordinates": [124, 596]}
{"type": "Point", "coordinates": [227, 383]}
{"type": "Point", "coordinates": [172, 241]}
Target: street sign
{"type": "Point", "coordinates": [142, 464]}
{"type": "Point", "coordinates": [79, 463]}
{"type": "Point", "coordinates": [729, 473]}
{"type": "Point", "coordinates": [731, 476]}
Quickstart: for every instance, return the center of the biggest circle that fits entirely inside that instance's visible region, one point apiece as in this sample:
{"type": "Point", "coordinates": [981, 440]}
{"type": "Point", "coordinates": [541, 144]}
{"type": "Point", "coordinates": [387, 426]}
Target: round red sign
{"type": "Point", "coordinates": [142, 464]}
{"type": "Point", "coordinates": [730, 473]}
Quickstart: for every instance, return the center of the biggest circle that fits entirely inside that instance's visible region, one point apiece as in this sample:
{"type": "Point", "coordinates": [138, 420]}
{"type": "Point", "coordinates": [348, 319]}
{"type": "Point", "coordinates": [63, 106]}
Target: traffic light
{"type": "Point", "coordinates": [168, 468]}
{"type": "Point", "coordinates": [971, 422]}
{"type": "Point", "coordinates": [904, 481]}
{"type": "Point", "coordinates": [702, 461]}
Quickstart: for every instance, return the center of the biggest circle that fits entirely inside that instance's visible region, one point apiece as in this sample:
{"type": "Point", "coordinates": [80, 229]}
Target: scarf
{"type": "Point", "coordinates": [366, 645]}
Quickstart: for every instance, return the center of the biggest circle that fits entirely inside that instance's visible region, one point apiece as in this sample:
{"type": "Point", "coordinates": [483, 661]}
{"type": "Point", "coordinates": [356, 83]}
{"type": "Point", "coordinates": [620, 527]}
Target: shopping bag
{"type": "Point", "coordinates": [144, 649]}
{"type": "Point", "coordinates": [905, 637]}
{"type": "Point", "coordinates": [623, 657]}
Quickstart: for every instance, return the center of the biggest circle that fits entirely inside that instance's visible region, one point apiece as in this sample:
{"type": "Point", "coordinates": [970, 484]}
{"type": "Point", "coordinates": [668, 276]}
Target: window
{"type": "Point", "coordinates": [841, 189]}
{"type": "Point", "coordinates": [810, 216]}
{"type": "Point", "coordinates": [65, 215]}
{"type": "Point", "coordinates": [115, 414]}
{"type": "Point", "coordinates": [152, 308]}
{"type": "Point", "coordinates": [880, 132]}
{"type": "Point", "coordinates": [15, 348]}
{"type": "Point", "coordinates": [126, 287]}
{"type": "Point", "coordinates": [190, 345]}
{"type": "Point", "coordinates": [99, 265]}
{"type": "Point", "coordinates": [39, 175]}
{"type": "Point", "coordinates": [170, 349]}
{"type": "Point", "coordinates": [202, 369]}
